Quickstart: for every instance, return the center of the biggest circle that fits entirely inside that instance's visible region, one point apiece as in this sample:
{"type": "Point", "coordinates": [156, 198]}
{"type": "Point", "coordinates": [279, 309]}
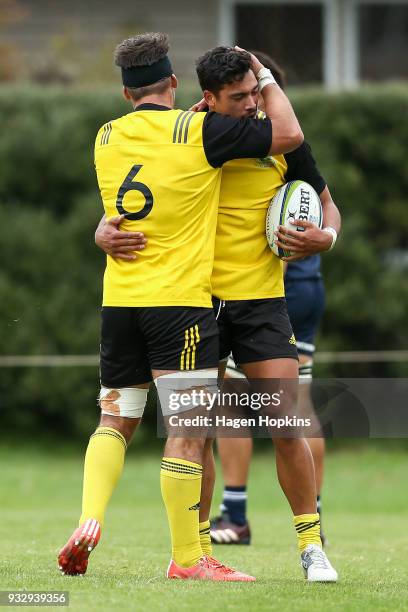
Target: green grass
{"type": "Point", "coordinates": [365, 510]}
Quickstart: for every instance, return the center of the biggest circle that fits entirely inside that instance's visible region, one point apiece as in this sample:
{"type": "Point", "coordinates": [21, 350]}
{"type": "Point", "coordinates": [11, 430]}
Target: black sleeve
{"type": "Point", "coordinates": [226, 138]}
{"type": "Point", "coordinates": [302, 167]}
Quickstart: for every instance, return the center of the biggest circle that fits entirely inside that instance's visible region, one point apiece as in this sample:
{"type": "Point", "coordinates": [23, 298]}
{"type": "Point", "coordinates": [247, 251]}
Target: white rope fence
{"type": "Point", "coordinates": [67, 361]}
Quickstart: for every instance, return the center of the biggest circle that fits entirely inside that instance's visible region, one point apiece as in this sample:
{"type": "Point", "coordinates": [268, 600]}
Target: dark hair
{"type": "Point", "coordinates": [142, 50]}
{"type": "Point", "coordinates": [222, 66]}
{"type": "Point", "coordinates": [277, 71]}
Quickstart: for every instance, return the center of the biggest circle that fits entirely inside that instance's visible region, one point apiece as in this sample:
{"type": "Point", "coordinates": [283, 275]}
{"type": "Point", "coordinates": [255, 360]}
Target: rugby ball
{"type": "Point", "coordinates": [295, 200]}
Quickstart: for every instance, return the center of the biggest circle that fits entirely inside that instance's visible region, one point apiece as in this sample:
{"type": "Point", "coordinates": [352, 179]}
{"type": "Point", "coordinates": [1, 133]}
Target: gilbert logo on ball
{"type": "Point", "coordinates": [295, 200]}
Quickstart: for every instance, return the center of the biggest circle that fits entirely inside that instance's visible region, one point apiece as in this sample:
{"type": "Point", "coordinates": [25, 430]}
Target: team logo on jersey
{"type": "Point", "coordinates": [292, 339]}
{"type": "Point", "coordinates": [266, 162]}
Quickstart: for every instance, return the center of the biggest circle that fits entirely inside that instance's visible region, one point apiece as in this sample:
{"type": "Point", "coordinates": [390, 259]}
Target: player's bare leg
{"type": "Point", "coordinates": [192, 562]}
{"type": "Point", "coordinates": [103, 467]}
{"type": "Point", "coordinates": [208, 482]}
{"type": "Point", "coordinates": [235, 455]}
{"type": "Point", "coordinates": [183, 492]}
{"type": "Point", "coordinates": [317, 445]}
{"type": "Point", "coordinates": [123, 425]}
{"type": "Point", "coordinates": [235, 465]}
{"type": "Point", "coordinates": [231, 525]}
{"type": "Point", "coordinates": [294, 463]}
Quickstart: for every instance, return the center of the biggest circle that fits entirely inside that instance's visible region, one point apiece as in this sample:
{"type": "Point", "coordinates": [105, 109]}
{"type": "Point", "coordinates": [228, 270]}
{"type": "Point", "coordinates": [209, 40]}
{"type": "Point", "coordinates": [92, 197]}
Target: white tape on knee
{"type": "Point", "coordinates": [234, 371]}
{"type": "Point", "coordinates": [306, 371]}
{"type": "Point", "coordinates": [182, 391]}
{"type": "Point", "coordinates": [125, 402]}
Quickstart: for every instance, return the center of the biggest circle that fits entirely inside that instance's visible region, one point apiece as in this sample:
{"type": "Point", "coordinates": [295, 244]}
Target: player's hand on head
{"type": "Point", "coordinates": [310, 241]}
{"type": "Point", "coordinates": [255, 63]}
{"type": "Point", "coordinates": [117, 243]}
{"type": "Point", "coordinates": [200, 106]}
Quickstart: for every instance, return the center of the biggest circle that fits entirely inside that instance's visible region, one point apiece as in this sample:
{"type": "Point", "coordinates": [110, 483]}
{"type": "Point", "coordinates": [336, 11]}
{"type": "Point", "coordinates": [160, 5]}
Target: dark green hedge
{"type": "Point", "coordinates": [46, 147]}
{"type": "Point", "coordinates": [360, 141]}
{"type": "Point", "coordinates": [51, 274]}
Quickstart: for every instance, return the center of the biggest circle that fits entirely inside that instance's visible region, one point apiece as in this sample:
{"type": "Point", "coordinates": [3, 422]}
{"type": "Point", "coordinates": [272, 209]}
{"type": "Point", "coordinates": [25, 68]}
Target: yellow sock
{"type": "Point", "coordinates": [180, 482]}
{"type": "Point", "coordinates": [205, 538]}
{"type": "Point", "coordinates": [308, 530]}
{"type": "Point", "coordinates": [104, 460]}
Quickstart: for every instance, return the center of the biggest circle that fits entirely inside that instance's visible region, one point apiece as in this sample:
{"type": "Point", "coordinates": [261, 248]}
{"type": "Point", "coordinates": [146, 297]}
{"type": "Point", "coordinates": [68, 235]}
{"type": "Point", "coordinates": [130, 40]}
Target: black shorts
{"type": "Point", "coordinates": [254, 330]}
{"type": "Point", "coordinates": [136, 340]}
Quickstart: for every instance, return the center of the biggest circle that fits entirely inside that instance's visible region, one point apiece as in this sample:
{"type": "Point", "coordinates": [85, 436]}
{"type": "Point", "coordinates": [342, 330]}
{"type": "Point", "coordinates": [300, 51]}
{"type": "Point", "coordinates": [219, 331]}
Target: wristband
{"type": "Point", "coordinates": [333, 233]}
{"type": "Point", "coordinates": [265, 77]}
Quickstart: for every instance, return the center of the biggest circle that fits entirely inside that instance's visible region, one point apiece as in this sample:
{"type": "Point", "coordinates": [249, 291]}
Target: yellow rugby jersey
{"type": "Point", "coordinates": [161, 168]}
{"type": "Point", "coordinates": [244, 266]}
{"type": "Point", "coordinates": [152, 165]}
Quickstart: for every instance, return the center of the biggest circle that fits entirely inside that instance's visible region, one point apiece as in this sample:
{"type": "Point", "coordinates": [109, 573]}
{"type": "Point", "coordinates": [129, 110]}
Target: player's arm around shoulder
{"type": "Point", "coordinates": [286, 131]}
{"type": "Point", "coordinates": [233, 135]}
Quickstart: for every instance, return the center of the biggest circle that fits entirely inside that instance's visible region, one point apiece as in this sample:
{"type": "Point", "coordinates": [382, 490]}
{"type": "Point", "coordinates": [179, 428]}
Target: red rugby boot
{"type": "Point", "coordinates": [73, 558]}
{"type": "Point", "coordinates": [207, 568]}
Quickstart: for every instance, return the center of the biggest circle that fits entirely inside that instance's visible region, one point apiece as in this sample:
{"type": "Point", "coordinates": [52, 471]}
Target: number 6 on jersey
{"type": "Point", "coordinates": [129, 185]}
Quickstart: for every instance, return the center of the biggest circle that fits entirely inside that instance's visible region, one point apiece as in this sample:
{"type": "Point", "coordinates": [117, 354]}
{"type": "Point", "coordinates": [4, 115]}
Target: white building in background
{"type": "Point", "coordinates": [355, 39]}
{"type": "Point", "coordinates": [338, 43]}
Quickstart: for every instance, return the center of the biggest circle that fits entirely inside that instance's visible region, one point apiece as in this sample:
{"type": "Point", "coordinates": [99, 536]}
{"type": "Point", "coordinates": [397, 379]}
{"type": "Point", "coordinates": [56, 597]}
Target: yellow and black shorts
{"type": "Point", "coordinates": [136, 340]}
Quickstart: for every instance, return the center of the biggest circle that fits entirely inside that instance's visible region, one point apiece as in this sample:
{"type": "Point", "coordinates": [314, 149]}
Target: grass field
{"type": "Point", "coordinates": [365, 505]}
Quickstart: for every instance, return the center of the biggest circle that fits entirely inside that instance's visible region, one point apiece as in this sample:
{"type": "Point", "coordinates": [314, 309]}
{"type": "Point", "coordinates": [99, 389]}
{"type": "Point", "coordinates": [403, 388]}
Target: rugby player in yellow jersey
{"type": "Point", "coordinates": [161, 168]}
{"type": "Point", "coordinates": [304, 288]}
{"type": "Point", "coordinates": [248, 290]}
{"type": "Point", "coordinates": [248, 287]}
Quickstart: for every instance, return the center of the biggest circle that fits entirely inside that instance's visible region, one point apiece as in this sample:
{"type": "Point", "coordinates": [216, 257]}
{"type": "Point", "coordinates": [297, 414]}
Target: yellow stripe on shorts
{"type": "Point", "coordinates": [186, 339]}
{"type": "Point", "coordinates": [193, 348]}
{"type": "Point", "coordinates": [188, 349]}
{"type": "Point", "coordinates": [188, 354]}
